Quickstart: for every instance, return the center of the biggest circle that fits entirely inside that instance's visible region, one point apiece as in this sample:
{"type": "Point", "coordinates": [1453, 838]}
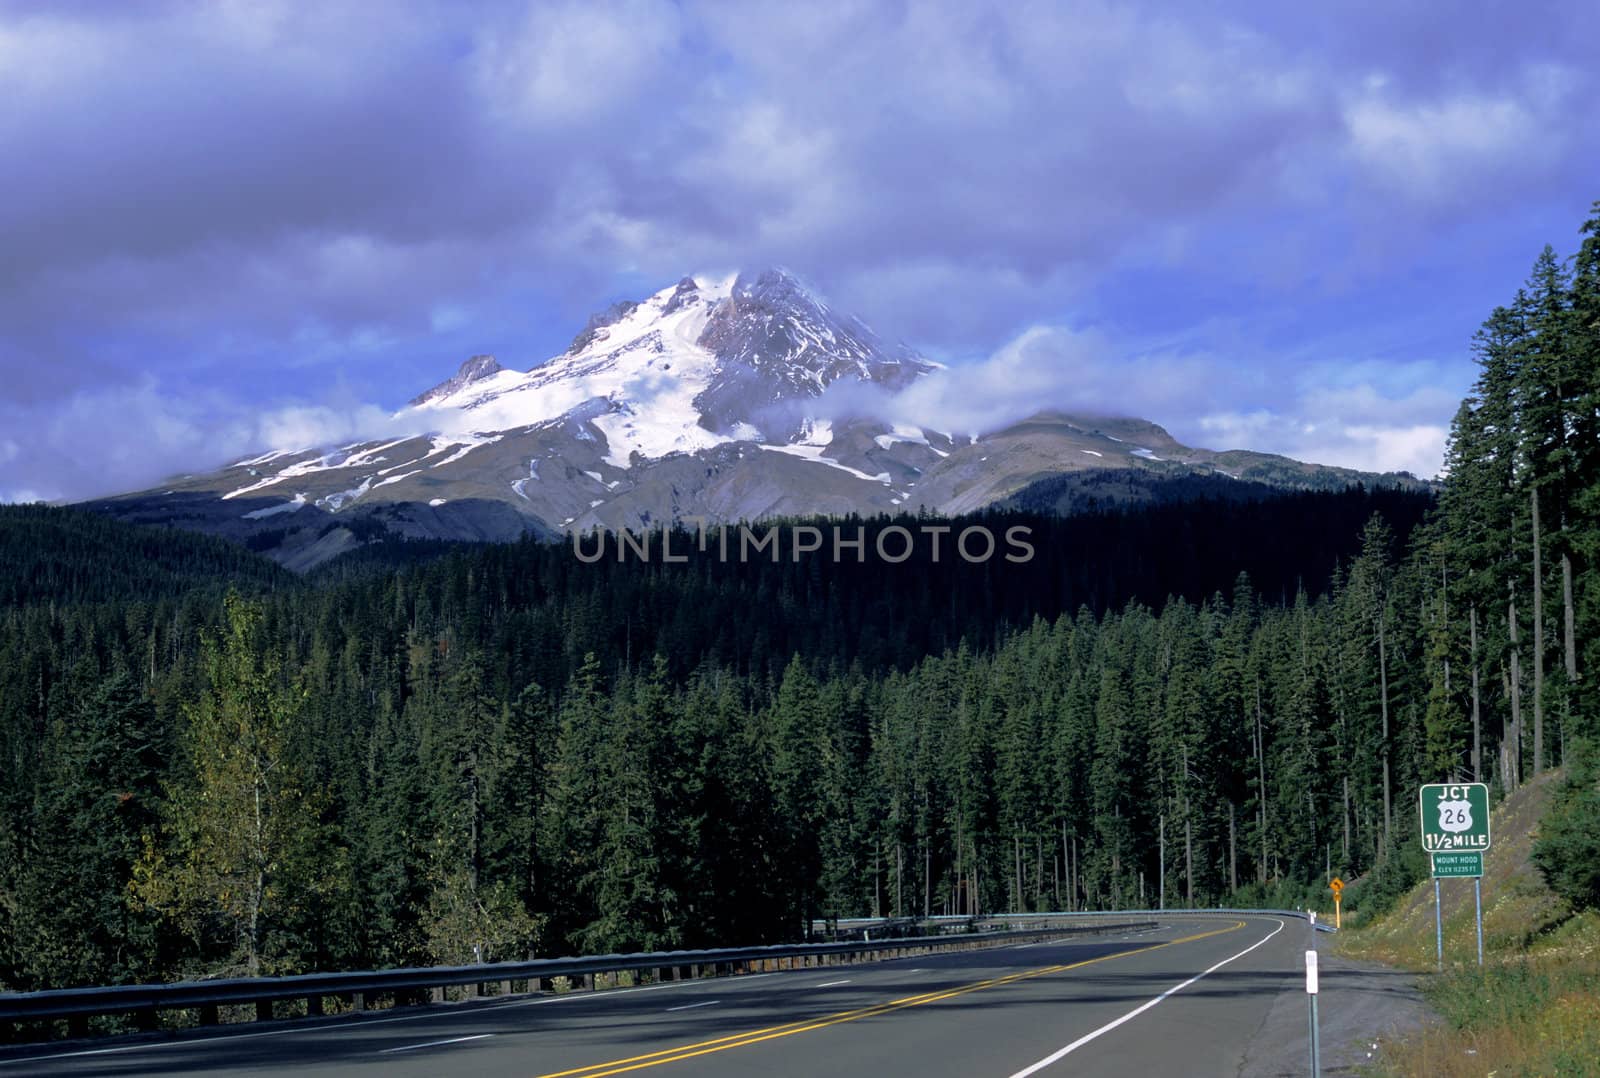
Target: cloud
{"type": "Point", "coordinates": [1046, 367]}
{"type": "Point", "coordinates": [1450, 148]}
{"type": "Point", "coordinates": [110, 441]}
{"type": "Point", "coordinates": [1371, 416]}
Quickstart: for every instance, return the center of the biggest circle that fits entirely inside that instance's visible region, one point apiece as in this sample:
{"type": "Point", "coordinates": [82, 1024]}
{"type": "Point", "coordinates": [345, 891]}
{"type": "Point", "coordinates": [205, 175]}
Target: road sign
{"type": "Point", "coordinates": [1465, 863]}
{"type": "Point", "coordinates": [1455, 816]}
{"type": "Point", "coordinates": [1336, 885]}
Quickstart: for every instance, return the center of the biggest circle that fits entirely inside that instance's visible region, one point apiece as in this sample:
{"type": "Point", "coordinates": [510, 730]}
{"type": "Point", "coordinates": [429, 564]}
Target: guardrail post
{"type": "Point", "coordinates": [263, 1010]}
{"type": "Point", "coordinates": [208, 1014]}
{"type": "Point", "coordinates": [358, 1001]}
{"type": "Point", "coordinates": [146, 1020]}
{"type": "Point", "coordinates": [313, 1006]}
{"type": "Point", "coordinates": [77, 1026]}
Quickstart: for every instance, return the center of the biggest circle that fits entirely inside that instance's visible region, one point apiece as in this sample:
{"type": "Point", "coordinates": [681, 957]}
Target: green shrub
{"type": "Point", "coordinates": [1567, 850]}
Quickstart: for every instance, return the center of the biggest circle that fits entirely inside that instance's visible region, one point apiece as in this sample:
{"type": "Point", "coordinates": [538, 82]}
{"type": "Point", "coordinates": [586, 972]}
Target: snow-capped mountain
{"type": "Point", "coordinates": [714, 398]}
{"type": "Point", "coordinates": [698, 364]}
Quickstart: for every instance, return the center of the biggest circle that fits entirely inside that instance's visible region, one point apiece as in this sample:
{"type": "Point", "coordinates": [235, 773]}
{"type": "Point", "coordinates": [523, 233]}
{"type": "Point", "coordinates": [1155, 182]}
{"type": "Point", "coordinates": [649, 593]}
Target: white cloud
{"type": "Point", "coordinates": [1442, 148]}
{"type": "Point", "coordinates": [20, 496]}
{"type": "Point", "coordinates": [569, 63]}
{"type": "Point", "coordinates": [1331, 439]}
{"type": "Point", "coordinates": [1364, 415]}
{"type": "Point", "coordinates": [113, 440]}
{"type": "Point", "coordinates": [1050, 367]}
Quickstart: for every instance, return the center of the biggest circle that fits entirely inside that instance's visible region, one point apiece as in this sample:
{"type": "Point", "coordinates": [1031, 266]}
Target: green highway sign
{"type": "Point", "coordinates": [1458, 864]}
{"type": "Point", "coordinates": [1455, 817]}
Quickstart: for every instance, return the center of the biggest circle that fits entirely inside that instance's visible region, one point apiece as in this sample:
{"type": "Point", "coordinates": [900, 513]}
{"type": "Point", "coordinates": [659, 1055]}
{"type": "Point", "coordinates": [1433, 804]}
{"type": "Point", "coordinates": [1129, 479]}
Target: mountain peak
{"type": "Point", "coordinates": [600, 320]}
{"type": "Point", "coordinates": [687, 290]}
{"type": "Point", "coordinates": [779, 288]}
{"type": "Point", "coordinates": [475, 369]}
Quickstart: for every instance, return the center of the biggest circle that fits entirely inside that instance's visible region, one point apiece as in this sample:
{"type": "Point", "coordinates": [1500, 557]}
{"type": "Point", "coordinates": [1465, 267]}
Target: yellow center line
{"type": "Point", "coordinates": [756, 1036]}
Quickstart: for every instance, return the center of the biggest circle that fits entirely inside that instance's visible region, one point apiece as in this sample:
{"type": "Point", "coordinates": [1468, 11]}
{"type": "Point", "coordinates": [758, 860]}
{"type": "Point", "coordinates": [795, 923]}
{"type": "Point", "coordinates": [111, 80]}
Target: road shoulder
{"type": "Point", "coordinates": [1362, 1005]}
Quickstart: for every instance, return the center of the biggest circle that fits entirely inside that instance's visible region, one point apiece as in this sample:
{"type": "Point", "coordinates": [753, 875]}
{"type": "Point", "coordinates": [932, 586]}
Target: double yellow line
{"type": "Point", "coordinates": [756, 1036]}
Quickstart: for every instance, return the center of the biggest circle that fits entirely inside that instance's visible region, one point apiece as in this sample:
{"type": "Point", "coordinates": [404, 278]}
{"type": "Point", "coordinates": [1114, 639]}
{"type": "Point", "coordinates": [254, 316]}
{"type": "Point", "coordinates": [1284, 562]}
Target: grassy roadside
{"type": "Point", "coordinates": [1534, 1007]}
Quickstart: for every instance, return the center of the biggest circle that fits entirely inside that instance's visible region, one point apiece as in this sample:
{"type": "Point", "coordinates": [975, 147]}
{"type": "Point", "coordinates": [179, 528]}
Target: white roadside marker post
{"type": "Point", "coordinates": [1438, 926]}
{"type": "Point", "coordinates": [1311, 994]}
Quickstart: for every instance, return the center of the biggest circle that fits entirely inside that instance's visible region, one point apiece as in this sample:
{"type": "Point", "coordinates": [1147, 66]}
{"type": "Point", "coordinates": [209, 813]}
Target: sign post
{"type": "Point", "coordinates": [1455, 834]}
{"type": "Point", "coordinates": [1438, 928]}
{"type": "Point", "coordinates": [1336, 885]}
{"type": "Point", "coordinates": [1477, 901]}
{"type": "Point", "coordinates": [1311, 994]}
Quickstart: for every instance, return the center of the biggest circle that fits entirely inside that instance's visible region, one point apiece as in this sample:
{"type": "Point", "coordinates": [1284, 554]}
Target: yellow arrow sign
{"type": "Point", "coordinates": [1336, 884]}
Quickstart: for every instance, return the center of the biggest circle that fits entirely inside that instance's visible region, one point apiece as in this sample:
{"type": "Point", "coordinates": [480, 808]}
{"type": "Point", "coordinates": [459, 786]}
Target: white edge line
{"type": "Point", "coordinates": [362, 1023]}
{"type": "Point", "coordinates": [834, 984]}
{"type": "Point", "coordinates": [435, 1044]}
{"type": "Point", "coordinates": [692, 1006]}
{"type": "Point", "coordinates": [1137, 1011]}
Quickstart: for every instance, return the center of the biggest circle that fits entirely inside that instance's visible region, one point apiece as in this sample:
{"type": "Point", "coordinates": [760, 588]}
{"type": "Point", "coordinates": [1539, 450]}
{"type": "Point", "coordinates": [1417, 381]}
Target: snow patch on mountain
{"type": "Point", "coordinates": [814, 453]}
{"type": "Point", "coordinates": [461, 443]}
{"type": "Point", "coordinates": [814, 441]}
{"type": "Point", "coordinates": [903, 432]}
{"type": "Point", "coordinates": [645, 368]}
{"type": "Point", "coordinates": [296, 503]}
{"type": "Point", "coordinates": [396, 478]}
{"type": "Point", "coordinates": [265, 458]}
{"type": "Point", "coordinates": [334, 502]}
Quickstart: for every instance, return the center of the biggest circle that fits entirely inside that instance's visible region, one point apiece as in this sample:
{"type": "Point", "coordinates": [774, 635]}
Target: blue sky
{"type": "Point", "coordinates": [231, 224]}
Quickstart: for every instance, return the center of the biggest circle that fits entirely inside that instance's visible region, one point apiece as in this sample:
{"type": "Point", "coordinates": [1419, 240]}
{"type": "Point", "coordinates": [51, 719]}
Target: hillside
{"type": "Point", "coordinates": [60, 555]}
{"type": "Point", "coordinates": [1534, 1008]}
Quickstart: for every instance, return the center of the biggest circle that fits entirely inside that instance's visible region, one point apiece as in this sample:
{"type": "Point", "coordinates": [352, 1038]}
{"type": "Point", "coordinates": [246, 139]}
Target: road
{"type": "Point", "coordinates": [1190, 997]}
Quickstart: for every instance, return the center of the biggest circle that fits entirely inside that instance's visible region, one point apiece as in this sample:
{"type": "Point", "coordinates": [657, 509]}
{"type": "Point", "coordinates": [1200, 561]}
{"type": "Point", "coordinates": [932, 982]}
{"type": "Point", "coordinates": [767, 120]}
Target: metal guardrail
{"type": "Point", "coordinates": [1019, 918]}
{"type": "Point", "coordinates": [145, 1000]}
{"type": "Point", "coordinates": [977, 922]}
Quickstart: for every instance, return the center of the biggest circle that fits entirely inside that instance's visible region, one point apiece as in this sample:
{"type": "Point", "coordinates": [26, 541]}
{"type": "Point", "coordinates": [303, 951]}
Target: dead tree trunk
{"type": "Point", "coordinates": [1513, 777]}
{"type": "Point", "coordinates": [1261, 787]}
{"type": "Point", "coordinates": [1569, 636]}
{"type": "Point", "coordinates": [1383, 701]}
{"type": "Point", "coordinates": [1233, 852]}
{"type": "Point", "coordinates": [1538, 642]}
{"type": "Point", "coordinates": [1477, 722]}
{"type": "Point", "coordinates": [1188, 859]}
{"type": "Point", "coordinates": [1345, 820]}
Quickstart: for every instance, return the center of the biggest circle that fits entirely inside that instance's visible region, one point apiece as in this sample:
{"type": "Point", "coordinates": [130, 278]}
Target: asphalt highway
{"type": "Point", "coordinates": [1190, 997]}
